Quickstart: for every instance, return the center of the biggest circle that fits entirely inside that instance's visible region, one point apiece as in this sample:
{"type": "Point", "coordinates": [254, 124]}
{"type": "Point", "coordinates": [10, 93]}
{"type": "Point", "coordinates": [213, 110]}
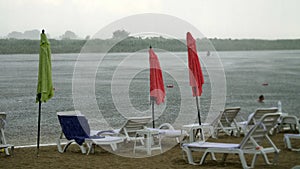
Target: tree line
{"type": "Point", "coordinates": [133, 44]}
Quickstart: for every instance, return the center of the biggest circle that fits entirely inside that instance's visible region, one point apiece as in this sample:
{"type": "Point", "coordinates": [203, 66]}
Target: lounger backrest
{"type": "Point", "coordinates": [229, 115]}
{"type": "Point", "coordinates": [259, 131]}
{"type": "Point", "coordinates": [259, 113]}
{"type": "Point", "coordinates": [74, 126]}
{"type": "Point", "coordinates": [2, 120]}
{"type": "Point", "coordinates": [134, 123]}
{"type": "Point", "coordinates": [69, 113]}
{"type": "Point", "coordinates": [291, 119]}
{"type": "Point", "coordinates": [216, 121]}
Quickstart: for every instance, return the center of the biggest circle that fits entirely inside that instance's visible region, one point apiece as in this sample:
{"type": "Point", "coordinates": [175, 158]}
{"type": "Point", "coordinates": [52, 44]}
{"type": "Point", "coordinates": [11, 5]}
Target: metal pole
{"type": "Point", "coordinates": [198, 109]}
{"type": "Point", "coordinates": [199, 119]}
{"type": "Point", "coordinates": [152, 102]}
{"type": "Point", "coordinates": [39, 126]}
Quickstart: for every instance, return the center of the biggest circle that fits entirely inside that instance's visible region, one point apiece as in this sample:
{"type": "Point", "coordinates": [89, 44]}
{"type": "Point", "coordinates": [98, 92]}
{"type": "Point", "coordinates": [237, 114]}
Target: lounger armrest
{"type": "Point", "coordinates": [101, 133]}
{"type": "Point", "coordinates": [106, 132]}
{"type": "Point", "coordinates": [166, 126]}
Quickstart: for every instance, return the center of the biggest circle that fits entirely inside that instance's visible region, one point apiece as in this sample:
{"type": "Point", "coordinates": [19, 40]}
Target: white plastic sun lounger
{"type": "Point", "coordinates": [168, 131]}
{"type": "Point", "coordinates": [205, 130]}
{"type": "Point", "coordinates": [291, 121]}
{"type": "Point", "coordinates": [131, 126]}
{"type": "Point", "coordinates": [3, 144]}
{"type": "Point", "coordinates": [254, 118]}
{"type": "Point", "coordinates": [251, 144]}
{"type": "Point", "coordinates": [134, 124]}
{"type": "Point", "coordinates": [287, 140]}
{"type": "Point", "coordinates": [228, 123]}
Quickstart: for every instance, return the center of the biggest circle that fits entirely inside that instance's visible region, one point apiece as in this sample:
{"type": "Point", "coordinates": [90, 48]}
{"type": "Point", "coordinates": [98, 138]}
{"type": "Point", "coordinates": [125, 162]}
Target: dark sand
{"type": "Point", "coordinates": [50, 158]}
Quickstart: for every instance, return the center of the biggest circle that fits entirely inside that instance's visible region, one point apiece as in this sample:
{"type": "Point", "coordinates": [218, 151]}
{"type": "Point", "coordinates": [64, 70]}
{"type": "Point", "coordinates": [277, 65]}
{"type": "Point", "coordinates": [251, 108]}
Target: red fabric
{"type": "Point", "coordinates": [157, 89]}
{"type": "Point", "coordinates": [195, 72]}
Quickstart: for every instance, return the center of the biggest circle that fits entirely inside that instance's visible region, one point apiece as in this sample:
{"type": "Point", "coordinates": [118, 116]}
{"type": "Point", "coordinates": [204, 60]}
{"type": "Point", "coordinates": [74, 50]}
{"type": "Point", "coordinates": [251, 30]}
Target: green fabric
{"type": "Point", "coordinates": [44, 86]}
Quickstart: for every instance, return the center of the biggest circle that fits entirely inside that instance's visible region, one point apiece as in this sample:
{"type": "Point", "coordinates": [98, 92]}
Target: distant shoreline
{"type": "Point", "coordinates": [132, 44]}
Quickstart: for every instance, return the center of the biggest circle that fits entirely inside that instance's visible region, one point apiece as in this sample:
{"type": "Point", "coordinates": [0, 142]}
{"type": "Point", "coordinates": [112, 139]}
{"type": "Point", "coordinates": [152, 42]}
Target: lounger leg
{"type": "Point", "coordinates": [216, 133]}
{"type": "Point", "coordinates": [12, 148]}
{"type": "Point", "coordinates": [142, 141]}
{"type": "Point", "coordinates": [4, 141]}
{"type": "Point", "coordinates": [58, 143]}
{"type": "Point", "coordinates": [204, 157]}
{"type": "Point", "coordinates": [212, 132]}
{"type": "Point", "coordinates": [66, 146]}
{"type": "Point", "coordinates": [238, 130]}
{"type": "Point", "coordinates": [266, 158]}
{"type": "Point", "coordinates": [189, 155]}
{"type": "Point", "coordinates": [90, 148]}
{"type": "Point", "coordinates": [113, 146]}
{"type": "Point", "coordinates": [287, 142]}
{"type": "Point", "coordinates": [134, 146]}
{"type": "Point", "coordinates": [238, 133]}
{"type": "Point", "coordinates": [243, 129]}
{"type": "Point", "coordinates": [254, 160]}
{"type": "Point", "coordinates": [83, 150]}
{"type": "Point", "coordinates": [148, 144]}
{"type": "Point", "coordinates": [6, 151]}
{"type": "Point", "coordinates": [243, 160]}
{"type": "Point", "coordinates": [212, 155]}
{"type": "Point", "coordinates": [59, 148]}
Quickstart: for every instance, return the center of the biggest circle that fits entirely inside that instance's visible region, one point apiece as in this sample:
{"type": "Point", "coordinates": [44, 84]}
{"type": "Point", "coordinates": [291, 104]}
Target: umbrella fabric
{"type": "Point", "coordinates": [44, 86]}
{"type": "Point", "coordinates": [157, 89]}
{"type": "Point", "coordinates": [195, 72]}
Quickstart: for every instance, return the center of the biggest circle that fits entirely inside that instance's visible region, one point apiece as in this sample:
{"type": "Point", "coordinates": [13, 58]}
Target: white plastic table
{"type": "Point", "coordinates": [150, 143]}
{"type": "Point", "coordinates": [192, 129]}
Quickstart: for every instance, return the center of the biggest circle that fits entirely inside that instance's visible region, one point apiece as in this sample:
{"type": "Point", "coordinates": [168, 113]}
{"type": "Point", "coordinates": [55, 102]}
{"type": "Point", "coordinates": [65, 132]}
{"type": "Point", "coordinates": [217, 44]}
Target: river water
{"type": "Point", "coordinates": [275, 74]}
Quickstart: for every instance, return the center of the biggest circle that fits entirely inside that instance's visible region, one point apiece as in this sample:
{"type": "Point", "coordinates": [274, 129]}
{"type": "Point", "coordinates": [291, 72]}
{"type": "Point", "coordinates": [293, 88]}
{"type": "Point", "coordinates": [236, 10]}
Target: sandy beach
{"type": "Point", "coordinates": [50, 158]}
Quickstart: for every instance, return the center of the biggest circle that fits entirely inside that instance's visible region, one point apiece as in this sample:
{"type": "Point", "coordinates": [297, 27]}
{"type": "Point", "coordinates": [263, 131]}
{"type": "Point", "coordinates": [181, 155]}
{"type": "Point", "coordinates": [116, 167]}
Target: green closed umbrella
{"type": "Point", "coordinates": [44, 86]}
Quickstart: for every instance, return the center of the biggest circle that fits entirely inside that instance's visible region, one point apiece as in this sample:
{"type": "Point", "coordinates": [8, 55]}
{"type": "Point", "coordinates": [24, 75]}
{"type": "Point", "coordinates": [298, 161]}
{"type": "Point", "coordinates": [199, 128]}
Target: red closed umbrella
{"type": "Point", "coordinates": [195, 72]}
{"type": "Point", "coordinates": [157, 89]}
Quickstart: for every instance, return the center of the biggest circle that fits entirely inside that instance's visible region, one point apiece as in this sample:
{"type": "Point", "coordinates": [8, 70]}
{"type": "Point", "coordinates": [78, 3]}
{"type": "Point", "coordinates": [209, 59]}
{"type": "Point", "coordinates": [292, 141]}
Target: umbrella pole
{"type": "Point", "coordinates": [197, 104]}
{"type": "Point", "coordinates": [39, 126]}
{"type": "Point", "coordinates": [199, 118]}
{"type": "Point", "coordinates": [153, 123]}
{"type": "Point", "coordinates": [198, 109]}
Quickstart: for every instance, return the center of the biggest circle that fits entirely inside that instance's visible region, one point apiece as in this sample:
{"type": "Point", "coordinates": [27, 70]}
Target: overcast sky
{"type": "Point", "coordinates": [264, 19]}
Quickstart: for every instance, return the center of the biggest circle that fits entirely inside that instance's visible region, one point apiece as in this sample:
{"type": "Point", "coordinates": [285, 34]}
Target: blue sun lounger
{"type": "Point", "coordinates": [75, 129]}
